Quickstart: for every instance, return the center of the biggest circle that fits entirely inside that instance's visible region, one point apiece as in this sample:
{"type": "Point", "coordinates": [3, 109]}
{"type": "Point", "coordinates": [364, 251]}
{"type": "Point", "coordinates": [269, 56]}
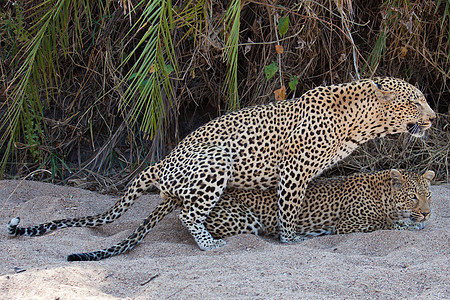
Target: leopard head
{"type": "Point", "coordinates": [411, 195]}
{"type": "Point", "coordinates": [403, 107]}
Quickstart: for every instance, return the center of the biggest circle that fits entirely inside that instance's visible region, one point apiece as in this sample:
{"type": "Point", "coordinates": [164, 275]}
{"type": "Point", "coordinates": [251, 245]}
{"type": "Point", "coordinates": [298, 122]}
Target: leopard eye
{"type": "Point", "coordinates": [413, 197]}
{"type": "Point", "coordinates": [415, 102]}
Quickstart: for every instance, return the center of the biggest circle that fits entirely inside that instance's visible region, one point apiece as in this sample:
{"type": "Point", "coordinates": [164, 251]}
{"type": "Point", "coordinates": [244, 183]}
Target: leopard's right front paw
{"type": "Point", "coordinates": [408, 225]}
{"type": "Point", "coordinates": [291, 239]}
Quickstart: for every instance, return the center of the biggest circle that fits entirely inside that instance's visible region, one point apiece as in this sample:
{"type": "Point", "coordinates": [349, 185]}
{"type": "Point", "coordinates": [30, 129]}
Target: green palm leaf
{"type": "Point", "coordinates": [148, 78]}
{"type": "Point", "coordinates": [39, 67]}
{"type": "Point", "coordinates": [232, 21]}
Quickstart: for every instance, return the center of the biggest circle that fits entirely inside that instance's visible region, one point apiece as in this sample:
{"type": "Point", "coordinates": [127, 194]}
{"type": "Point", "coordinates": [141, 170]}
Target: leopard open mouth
{"type": "Point", "coordinates": [416, 129]}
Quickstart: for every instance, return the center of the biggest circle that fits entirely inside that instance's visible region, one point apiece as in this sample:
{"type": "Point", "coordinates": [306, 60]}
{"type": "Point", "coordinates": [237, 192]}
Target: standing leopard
{"type": "Point", "coordinates": [280, 145]}
{"type": "Point", "coordinates": [392, 199]}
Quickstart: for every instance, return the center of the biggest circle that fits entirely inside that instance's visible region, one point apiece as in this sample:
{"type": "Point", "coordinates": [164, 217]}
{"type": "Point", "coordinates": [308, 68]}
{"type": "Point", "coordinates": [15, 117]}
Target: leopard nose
{"type": "Point", "coordinates": [426, 215]}
{"type": "Point", "coordinates": [428, 112]}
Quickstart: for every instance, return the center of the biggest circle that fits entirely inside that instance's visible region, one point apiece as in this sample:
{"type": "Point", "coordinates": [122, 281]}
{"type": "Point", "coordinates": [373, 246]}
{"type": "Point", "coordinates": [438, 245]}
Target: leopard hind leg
{"type": "Point", "coordinates": [198, 177]}
{"type": "Point", "coordinates": [142, 183]}
{"type": "Point", "coordinates": [194, 221]}
{"type": "Point", "coordinates": [163, 209]}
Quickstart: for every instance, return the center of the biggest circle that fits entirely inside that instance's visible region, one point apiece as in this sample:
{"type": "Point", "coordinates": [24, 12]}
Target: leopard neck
{"type": "Point", "coordinates": [364, 116]}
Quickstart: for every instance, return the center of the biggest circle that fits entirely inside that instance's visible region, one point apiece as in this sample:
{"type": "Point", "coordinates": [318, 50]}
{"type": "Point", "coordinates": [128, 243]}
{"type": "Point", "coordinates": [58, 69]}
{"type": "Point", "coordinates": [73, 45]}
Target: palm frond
{"type": "Point", "coordinates": [38, 61]}
{"type": "Point", "coordinates": [230, 54]}
{"type": "Point", "coordinates": [150, 73]}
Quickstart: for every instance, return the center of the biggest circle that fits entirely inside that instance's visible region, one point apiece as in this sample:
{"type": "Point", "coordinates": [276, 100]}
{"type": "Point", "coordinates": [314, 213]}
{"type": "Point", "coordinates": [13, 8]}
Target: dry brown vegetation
{"type": "Point", "coordinates": [210, 57]}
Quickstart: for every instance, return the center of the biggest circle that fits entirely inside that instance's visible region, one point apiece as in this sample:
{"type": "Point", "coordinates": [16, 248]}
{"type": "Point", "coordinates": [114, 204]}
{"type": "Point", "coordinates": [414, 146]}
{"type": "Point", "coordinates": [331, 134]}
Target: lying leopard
{"type": "Point", "coordinates": [358, 203]}
{"type": "Point", "coordinates": [281, 145]}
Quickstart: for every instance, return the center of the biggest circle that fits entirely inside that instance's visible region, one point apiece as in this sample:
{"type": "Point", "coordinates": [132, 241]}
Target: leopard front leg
{"type": "Point", "coordinates": [297, 169]}
{"type": "Point", "coordinates": [198, 175]}
{"type": "Point", "coordinates": [406, 224]}
{"type": "Point", "coordinates": [303, 159]}
{"type": "Point", "coordinates": [357, 218]}
{"type": "Point", "coordinates": [291, 191]}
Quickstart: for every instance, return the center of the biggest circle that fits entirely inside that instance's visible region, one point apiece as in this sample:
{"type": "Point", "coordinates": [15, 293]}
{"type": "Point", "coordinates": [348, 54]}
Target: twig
{"type": "Point", "coordinates": [305, 16]}
{"type": "Point", "coordinates": [275, 17]}
{"type": "Point", "coordinates": [150, 279]}
{"type": "Point", "coordinates": [350, 37]}
{"type": "Point", "coordinates": [182, 289]}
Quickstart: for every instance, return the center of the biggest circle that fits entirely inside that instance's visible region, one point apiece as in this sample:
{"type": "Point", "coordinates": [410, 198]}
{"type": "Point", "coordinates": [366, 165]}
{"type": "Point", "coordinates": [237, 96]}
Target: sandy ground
{"type": "Point", "coordinates": [169, 265]}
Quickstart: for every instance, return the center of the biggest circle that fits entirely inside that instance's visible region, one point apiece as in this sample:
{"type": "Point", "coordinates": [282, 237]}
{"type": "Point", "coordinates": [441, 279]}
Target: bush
{"type": "Point", "coordinates": [93, 91]}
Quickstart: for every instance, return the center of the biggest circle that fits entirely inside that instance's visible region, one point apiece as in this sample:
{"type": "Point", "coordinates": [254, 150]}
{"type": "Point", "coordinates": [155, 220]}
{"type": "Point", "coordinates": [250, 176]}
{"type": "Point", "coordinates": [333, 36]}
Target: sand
{"type": "Point", "coordinates": [169, 265]}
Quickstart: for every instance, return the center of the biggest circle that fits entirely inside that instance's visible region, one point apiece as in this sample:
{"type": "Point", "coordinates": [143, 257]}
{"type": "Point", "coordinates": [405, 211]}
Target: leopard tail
{"type": "Point", "coordinates": [146, 179]}
{"type": "Point", "coordinates": [162, 210]}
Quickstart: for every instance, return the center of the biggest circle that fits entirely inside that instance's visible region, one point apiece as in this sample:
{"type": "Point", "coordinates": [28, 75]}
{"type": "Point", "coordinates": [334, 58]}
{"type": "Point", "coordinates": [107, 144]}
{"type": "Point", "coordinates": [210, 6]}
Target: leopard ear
{"type": "Point", "coordinates": [384, 96]}
{"type": "Point", "coordinates": [397, 178]}
{"type": "Point", "coordinates": [429, 175]}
